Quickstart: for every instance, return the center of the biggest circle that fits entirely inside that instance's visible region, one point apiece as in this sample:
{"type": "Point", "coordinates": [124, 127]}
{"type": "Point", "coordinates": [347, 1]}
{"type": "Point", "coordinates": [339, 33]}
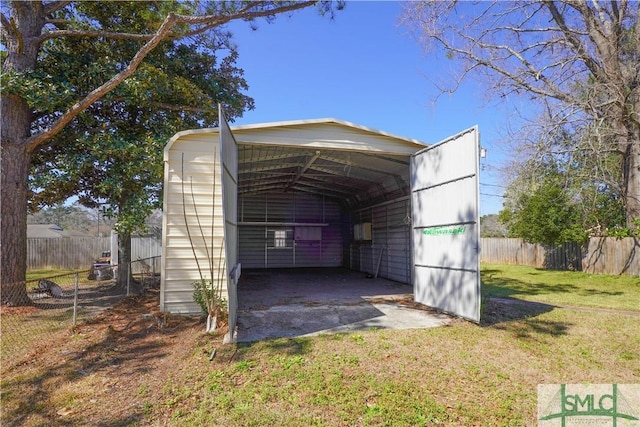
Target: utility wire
{"type": "Point", "coordinates": [493, 185]}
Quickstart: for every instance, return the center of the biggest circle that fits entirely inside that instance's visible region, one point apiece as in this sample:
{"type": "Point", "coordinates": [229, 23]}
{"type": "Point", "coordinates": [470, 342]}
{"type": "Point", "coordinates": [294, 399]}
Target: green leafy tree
{"type": "Point", "coordinates": [36, 107]}
{"type": "Point", "coordinates": [544, 215]}
{"type": "Point", "coordinates": [587, 183]}
{"type": "Point", "coordinates": [120, 162]}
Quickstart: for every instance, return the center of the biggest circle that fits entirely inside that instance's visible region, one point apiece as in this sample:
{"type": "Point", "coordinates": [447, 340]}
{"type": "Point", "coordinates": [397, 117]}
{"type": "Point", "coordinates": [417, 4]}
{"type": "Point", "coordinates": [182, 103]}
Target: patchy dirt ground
{"type": "Point", "coordinates": [105, 371]}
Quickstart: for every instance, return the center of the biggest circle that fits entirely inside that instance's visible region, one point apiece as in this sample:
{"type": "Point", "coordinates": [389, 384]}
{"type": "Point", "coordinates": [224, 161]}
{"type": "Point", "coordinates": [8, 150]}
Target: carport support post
{"type": "Point", "coordinates": [129, 278]}
{"type": "Point", "coordinates": [75, 301]}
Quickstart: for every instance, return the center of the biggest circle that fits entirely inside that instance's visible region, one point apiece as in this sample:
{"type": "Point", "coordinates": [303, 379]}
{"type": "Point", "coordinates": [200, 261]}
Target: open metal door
{"type": "Point", "coordinates": [229, 174]}
{"type": "Point", "coordinates": [445, 225]}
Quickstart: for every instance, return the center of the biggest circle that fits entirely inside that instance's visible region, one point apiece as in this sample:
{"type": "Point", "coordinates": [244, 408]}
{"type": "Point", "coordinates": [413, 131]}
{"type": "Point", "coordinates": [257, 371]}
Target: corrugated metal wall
{"type": "Point", "coordinates": [389, 250]}
{"type": "Point", "coordinates": [193, 221]}
{"type": "Point", "coordinates": [299, 230]}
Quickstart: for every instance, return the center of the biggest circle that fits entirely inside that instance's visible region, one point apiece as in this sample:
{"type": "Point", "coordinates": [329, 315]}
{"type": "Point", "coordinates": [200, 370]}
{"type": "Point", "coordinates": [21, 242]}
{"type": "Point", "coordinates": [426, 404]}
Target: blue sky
{"type": "Point", "coordinates": [365, 68]}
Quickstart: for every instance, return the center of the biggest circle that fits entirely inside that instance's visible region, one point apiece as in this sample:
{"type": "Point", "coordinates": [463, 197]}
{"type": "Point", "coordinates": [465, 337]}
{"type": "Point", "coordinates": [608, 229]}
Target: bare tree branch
{"type": "Point", "coordinates": [576, 62]}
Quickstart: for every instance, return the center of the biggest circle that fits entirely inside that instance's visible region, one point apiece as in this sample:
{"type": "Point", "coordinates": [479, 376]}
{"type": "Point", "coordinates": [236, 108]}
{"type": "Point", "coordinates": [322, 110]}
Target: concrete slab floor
{"type": "Point", "coordinates": [280, 303]}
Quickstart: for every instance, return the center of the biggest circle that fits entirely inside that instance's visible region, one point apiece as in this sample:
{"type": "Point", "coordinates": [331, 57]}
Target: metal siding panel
{"type": "Point", "coordinates": [252, 247]}
{"type": "Point", "coordinates": [332, 242]}
{"type": "Point", "coordinates": [445, 259]}
{"type": "Point", "coordinates": [391, 232]}
{"type": "Point", "coordinates": [326, 135]}
{"type": "Point", "coordinates": [308, 254]}
{"type": "Point", "coordinates": [455, 203]}
{"type": "Point", "coordinates": [366, 258]}
{"type": "Point", "coordinates": [323, 251]}
{"type": "Point", "coordinates": [179, 268]}
{"type": "Point", "coordinates": [447, 290]}
{"type": "Point", "coordinates": [398, 242]}
{"type": "Point", "coordinates": [279, 258]}
{"type": "Point", "coordinates": [281, 207]}
{"type": "Point", "coordinates": [379, 241]}
{"type": "Point", "coordinates": [254, 207]}
{"type": "Point", "coordinates": [308, 208]}
{"type": "Point", "coordinates": [453, 251]}
{"type": "Point", "coordinates": [444, 168]}
{"type": "Point", "coordinates": [229, 175]}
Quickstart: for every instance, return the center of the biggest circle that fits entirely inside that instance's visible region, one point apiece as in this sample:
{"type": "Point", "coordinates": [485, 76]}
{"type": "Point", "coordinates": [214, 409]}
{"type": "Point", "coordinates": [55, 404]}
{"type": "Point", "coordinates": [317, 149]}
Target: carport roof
{"type": "Point", "coordinates": [335, 158]}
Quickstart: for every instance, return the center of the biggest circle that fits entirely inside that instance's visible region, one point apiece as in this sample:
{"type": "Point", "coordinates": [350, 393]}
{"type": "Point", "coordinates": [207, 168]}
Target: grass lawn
{"type": "Point", "coordinates": [40, 273]}
{"type": "Point", "coordinates": [561, 287]}
{"type": "Point", "coordinates": [131, 373]}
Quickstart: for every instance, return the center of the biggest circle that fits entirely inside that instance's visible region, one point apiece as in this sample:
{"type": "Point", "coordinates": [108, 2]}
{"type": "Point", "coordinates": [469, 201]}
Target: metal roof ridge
{"type": "Point", "coordinates": [287, 123]}
{"type": "Point", "coordinates": [326, 120]}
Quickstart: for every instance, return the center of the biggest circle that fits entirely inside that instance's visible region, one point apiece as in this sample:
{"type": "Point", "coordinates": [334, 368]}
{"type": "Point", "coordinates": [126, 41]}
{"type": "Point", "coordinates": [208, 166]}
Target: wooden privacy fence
{"type": "Point", "coordinates": [81, 252]}
{"type": "Point", "coordinates": [601, 255]}
{"type": "Point", "coordinates": [604, 255]}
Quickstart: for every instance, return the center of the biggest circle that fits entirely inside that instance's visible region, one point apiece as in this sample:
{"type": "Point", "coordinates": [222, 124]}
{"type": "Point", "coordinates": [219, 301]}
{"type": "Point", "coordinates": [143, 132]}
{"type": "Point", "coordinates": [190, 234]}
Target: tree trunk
{"type": "Point", "coordinates": [631, 178]}
{"type": "Point", "coordinates": [15, 128]}
{"type": "Point", "coordinates": [124, 261]}
{"type": "Point", "coordinates": [14, 162]}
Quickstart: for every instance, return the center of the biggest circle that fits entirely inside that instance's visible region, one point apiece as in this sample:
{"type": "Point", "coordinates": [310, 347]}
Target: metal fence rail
{"type": "Point", "coordinates": [60, 302]}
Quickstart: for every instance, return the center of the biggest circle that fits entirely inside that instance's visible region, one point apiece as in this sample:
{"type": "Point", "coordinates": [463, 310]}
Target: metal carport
{"type": "Point", "coordinates": [315, 193]}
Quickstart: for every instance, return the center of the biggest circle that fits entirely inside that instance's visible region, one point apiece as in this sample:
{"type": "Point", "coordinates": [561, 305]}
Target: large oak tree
{"type": "Point", "coordinates": [28, 26]}
{"type": "Point", "coordinates": [110, 157]}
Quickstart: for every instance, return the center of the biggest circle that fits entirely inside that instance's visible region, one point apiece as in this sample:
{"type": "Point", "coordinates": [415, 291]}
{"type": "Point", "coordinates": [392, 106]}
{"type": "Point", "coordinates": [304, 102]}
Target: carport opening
{"type": "Point", "coordinates": [323, 235]}
{"type": "Point", "coordinates": [308, 214]}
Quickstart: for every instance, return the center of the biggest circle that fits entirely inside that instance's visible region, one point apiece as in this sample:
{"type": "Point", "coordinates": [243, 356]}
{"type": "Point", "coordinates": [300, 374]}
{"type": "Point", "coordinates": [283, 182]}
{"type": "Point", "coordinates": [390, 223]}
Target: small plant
{"type": "Point", "coordinates": [209, 298]}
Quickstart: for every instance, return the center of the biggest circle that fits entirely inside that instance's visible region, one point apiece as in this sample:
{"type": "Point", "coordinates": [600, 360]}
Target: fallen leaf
{"type": "Point", "coordinates": [67, 410]}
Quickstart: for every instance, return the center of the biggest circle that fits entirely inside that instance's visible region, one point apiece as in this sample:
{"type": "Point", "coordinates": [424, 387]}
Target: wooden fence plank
{"type": "Point", "coordinates": [79, 253]}
{"type": "Point", "coordinates": [603, 255]}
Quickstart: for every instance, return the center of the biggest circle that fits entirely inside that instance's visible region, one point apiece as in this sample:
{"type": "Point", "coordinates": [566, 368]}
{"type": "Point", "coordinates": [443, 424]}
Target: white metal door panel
{"type": "Point", "coordinates": [445, 225]}
{"type": "Point", "coordinates": [445, 204]}
{"type": "Point", "coordinates": [229, 173]}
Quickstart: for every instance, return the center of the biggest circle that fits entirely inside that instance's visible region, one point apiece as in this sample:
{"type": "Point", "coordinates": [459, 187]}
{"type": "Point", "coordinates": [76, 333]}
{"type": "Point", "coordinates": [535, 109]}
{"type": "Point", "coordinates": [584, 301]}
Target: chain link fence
{"type": "Point", "coordinates": [57, 303]}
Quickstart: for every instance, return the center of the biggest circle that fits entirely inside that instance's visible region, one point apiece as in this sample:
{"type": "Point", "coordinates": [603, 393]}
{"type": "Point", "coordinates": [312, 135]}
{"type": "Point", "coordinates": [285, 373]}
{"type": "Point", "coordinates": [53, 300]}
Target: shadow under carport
{"type": "Point", "coordinates": [280, 303]}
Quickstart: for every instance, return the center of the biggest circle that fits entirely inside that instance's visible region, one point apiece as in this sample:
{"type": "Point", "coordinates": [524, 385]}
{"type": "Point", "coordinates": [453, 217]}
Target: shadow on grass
{"type": "Point", "coordinates": [295, 346]}
{"type": "Point", "coordinates": [502, 310]}
{"type": "Point", "coordinates": [127, 346]}
{"type": "Point", "coordinates": [511, 288]}
{"type": "Point", "coordinates": [520, 318]}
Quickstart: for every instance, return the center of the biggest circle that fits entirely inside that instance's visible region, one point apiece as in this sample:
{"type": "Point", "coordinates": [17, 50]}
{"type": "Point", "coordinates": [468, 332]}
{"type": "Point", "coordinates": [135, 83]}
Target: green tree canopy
{"type": "Point", "coordinates": [545, 215]}
{"type": "Point", "coordinates": [112, 153]}
{"type": "Point", "coordinates": [38, 101]}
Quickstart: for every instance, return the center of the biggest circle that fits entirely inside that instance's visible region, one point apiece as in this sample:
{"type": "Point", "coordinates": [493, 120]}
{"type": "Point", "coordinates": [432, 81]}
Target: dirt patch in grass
{"type": "Point", "coordinates": [103, 371]}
